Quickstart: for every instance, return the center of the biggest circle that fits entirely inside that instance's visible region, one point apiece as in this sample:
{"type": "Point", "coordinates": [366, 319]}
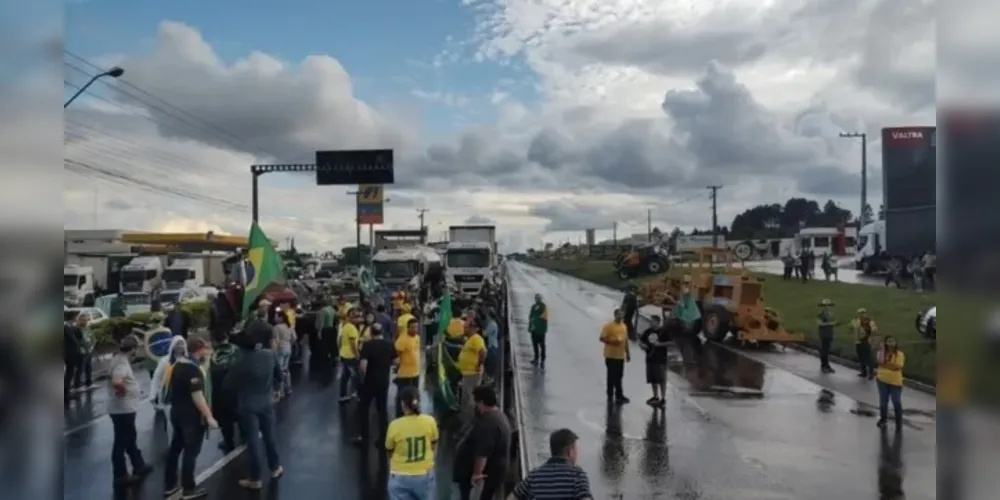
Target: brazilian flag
{"type": "Point", "coordinates": [265, 267]}
{"type": "Point", "coordinates": [447, 392]}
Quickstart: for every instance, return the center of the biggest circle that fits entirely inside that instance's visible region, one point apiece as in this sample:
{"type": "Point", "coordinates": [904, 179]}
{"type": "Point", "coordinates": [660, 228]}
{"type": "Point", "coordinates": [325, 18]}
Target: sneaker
{"type": "Point", "coordinates": [622, 400]}
{"type": "Point", "coordinates": [880, 423]}
{"type": "Point", "coordinates": [195, 493]}
{"type": "Point", "coordinates": [652, 401]}
{"type": "Point", "coordinates": [250, 484]}
{"type": "Point", "coordinates": [534, 362]}
{"type": "Point", "coordinates": [127, 479]}
{"type": "Point", "coordinates": [277, 473]}
{"type": "Point", "coordinates": [143, 471]}
{"type": "Point", "coordinates": [169, 492]}
{"type": "Point", "coordinates": [344, 399]}
{"type": "Point", "coordinates": [661, 403]}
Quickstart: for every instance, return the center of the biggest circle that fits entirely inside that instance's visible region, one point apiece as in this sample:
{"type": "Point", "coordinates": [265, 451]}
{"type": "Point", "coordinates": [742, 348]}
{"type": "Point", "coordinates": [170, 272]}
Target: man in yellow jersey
{"type": "Point", "coordinates": [349, 337]}
{"type": "Point", "coordinates": [403, 322]}
{"type": "Point", "coordinates": [410, 441]}
{"type": "Point", "coordinates": [614, 336]}
{"type": "Point", "coordinates": [408, 350]}
{"type": "Point", "coordinates": [470, 364]}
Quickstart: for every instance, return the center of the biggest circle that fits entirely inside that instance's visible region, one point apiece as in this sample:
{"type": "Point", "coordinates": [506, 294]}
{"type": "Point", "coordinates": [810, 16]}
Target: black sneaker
{"type": "Point", "coordinates": [534, 362]}
{"type": "Point", "coordinates": [622, 400]}
{"type": "Point", "coordinates": [195, 493]}
{"type": "Point", "coordinates": [662, 403]}
{"type": "Point", "coordinates": [143, 471]}
{"type": "Point", "coordinates": [169, 492]}
{"type": "Point", "coordinates": [652, 401]}
{"type": "Point", "coordinates": [880, 423]}
{"type": "Point", "coordinates": [125, 480]}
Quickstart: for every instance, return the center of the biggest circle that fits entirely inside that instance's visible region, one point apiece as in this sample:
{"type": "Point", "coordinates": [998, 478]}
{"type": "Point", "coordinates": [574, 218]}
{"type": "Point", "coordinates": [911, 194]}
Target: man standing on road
{"type": "Point", "coordinates": [559, 478]}
{"type": "Point", "coordinates": [123, 404]}
{"type": "Point", "coordinates": [377, 357]}
{"type": "Point", "coordinates": [350, 336]}
{"type": "Point", "coordinates": [538, 326]}
{"type": "Point", "coordinates": [190, 417]}
{"type": "Point", "coordinates": [486, 448]}
{"type": "Point", "coordinates": [326, 330]}
{"type": "Point", "coordinates": [408, 351]}
{"type": "Point", "coordinates": [653, 340]}
{"type": "Point", "coordinates": [825, 323]}
{"type": "Point", "coordinates": [256, 379]}
{"type": "Point", "coordinates": [470, 363]}
{"type": "Point", "coordinates": [614, 336]}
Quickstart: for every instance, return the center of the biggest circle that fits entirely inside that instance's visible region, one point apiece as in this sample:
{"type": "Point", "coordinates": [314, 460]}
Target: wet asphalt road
{"type": "Point", "coordinates": [314, 433]}
{"type": "Point", "coordinates": [767, 438]}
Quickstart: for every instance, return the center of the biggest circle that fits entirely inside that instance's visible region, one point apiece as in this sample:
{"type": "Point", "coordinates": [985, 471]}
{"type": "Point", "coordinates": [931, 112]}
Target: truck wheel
{"type": "Point", "coordinates": [716, 323]}
{"type": "Point", "coordinates": [655, 266]}
{"type": "Point", "coordinates": [743, 250]}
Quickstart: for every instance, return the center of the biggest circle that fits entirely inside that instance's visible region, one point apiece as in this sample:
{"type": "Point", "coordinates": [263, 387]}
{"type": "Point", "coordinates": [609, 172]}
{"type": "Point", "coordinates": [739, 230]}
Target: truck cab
{"type": "Point", "coordinates": [184, 274]}
{"type": "Point", "coordinates": [402, 267]}
{"type": "Point", "coordinates": [469, 264]}
{"type": "Point", "coordinates": [79, 288]}
{"type": "Point", "coordinates": [870, 256]}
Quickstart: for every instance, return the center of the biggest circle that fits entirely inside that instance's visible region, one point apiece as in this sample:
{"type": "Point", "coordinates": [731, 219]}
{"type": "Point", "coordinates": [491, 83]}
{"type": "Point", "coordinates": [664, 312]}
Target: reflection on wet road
{"type": "Point", "coordinates": [314, 434]}
{"type": "Point", "coordinates": [751, 431]}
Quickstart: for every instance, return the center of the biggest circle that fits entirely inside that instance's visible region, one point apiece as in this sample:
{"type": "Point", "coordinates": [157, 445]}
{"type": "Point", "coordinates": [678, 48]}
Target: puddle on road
{"type": "Point", "coordinates": [717, 372]}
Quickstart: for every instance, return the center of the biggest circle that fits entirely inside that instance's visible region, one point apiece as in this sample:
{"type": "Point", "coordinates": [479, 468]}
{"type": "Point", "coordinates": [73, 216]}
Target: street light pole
{"type": "Point", "coordinates": [864, 173]}
{"type": "Point", "coordinates": [114, 72]}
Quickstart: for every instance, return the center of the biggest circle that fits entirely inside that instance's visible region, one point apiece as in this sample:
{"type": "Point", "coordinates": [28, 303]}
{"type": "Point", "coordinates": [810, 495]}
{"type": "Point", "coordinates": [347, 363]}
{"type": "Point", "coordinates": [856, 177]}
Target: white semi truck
{"type": "Point", "coordinates": [403, 267]}
{"type": "Point", "coordinates": [471, 256]}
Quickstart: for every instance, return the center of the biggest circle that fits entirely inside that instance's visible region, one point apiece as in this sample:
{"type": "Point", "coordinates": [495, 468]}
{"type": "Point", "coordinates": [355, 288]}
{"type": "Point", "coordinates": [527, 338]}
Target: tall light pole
{"type": "Point", "coordinates": [423, 227]}
{"type": "Point", "coordinates": [864, 173]}
{"type": "Point", "coordinates": [114, 72]}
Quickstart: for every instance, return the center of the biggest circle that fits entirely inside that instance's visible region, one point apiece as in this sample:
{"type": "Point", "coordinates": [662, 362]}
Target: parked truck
{"type": "Point", "coordinates": [88, 276]}
{"type": "Point", "coordinates": [471, 256]}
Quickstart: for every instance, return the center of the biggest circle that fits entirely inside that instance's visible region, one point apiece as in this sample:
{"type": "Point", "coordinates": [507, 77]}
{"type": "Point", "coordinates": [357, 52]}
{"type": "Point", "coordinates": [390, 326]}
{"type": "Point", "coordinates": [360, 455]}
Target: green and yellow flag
{"type": "Point", "coordinates": [446, 392]}
{"type": "Point", "coordinates": [264, 267]}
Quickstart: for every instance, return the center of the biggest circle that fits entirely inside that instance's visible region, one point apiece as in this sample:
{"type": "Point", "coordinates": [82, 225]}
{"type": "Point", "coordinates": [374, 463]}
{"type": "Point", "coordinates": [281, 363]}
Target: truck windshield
{"type": "Point", "coordinates": [134, 299]}
{"type": "Point", "coordinates": [71, 279]}
{"type": "Point", "coordinates": [395, 269]}
{"type": "Point", "coordinates": [177, 275]}
{"type": "Point", "coordinates": [137, 276]}
{"type": "Point", "coordinates": [169, 297]}
{"type": "Point", "coordinates": [469, 258]}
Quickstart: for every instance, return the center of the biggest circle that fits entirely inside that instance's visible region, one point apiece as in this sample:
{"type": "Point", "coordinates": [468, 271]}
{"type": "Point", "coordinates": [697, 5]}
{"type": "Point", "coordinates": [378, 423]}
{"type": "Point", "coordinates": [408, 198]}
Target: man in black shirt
{"type": "Point", "coordinates": [653, 340]}
{"type": "Point", "coordinates": [190, 414]}
{"type": "Point", "coordinates": [377, 357]}
{"type": "Point", "coordinates": [488, 446]}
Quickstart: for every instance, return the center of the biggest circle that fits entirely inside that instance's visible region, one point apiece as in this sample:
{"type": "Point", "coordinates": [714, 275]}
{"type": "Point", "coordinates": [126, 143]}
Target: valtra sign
{"type": "Point", "coordinates": [906, 135]}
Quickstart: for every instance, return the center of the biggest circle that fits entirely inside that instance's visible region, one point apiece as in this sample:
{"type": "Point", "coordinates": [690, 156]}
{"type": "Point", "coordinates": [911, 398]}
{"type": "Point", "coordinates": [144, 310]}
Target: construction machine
{"type": "Point", "coordinates": [731, 299]}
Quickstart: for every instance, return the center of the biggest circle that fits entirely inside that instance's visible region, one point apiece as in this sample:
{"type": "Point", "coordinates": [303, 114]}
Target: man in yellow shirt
{"type": "Point", "coordinates": [403, 322]}
{"type": "Point", "coordinates": [348, 345]}
{"type": "Point", "coordinates": [889, 379]}
{"type": "Point", "coordinates": [410, 441]}
{"type": "Point", "coordinates": [614, 336]}
{"type": "Point", "coordinates": [470, 364]}
{"type": "Point", "coordinates": [408, 350]}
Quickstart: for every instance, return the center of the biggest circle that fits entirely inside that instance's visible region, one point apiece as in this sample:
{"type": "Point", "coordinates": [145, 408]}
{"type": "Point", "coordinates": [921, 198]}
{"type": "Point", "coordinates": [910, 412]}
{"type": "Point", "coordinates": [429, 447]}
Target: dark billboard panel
{"type": "Point", "coordinates": [971, 142]}
{"type": "Point", "coordinates": [909, 167]}
{"type": "Point", "coordinates": [353, 167]}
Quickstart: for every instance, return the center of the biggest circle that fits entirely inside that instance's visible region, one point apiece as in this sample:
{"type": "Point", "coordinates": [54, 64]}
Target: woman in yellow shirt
{"type": "Point", "coordinates": [889, 377]}
{"type": "Point", "coordinates": [411, 441]}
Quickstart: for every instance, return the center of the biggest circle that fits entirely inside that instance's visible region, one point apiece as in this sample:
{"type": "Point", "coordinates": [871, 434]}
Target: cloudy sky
{"type": "Point", "coordinates": [544, 116]}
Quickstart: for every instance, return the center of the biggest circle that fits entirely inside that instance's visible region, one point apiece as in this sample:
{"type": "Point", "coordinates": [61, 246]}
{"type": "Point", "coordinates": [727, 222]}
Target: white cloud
{"type": "Point", "coordinates": [643, 103]}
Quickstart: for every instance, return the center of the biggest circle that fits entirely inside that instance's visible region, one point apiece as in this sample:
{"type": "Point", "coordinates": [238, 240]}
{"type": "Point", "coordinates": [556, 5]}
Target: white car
{"type": "Point", "coordinates": [93, 315]}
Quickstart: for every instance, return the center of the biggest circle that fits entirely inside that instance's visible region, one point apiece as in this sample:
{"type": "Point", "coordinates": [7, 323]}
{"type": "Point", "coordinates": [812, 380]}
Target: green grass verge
{"type": "Point", "coordinates": [893, 310]}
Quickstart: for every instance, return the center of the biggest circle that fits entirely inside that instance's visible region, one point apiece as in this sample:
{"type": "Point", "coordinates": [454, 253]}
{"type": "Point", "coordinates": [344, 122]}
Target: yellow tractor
{"type": "Point", "coordinates": [731, 299]}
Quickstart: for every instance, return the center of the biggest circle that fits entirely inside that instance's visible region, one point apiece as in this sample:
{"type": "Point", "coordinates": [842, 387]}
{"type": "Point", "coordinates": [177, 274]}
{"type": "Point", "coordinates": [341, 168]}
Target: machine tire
{"type": "Point", "coordinates": [655, 266]}
{"type": "Point", "coordinates": [624, 274]}
{"type": "Point", "coordinates": [716, 323]}
{"type": "Point", "coordinates": [743, 250]}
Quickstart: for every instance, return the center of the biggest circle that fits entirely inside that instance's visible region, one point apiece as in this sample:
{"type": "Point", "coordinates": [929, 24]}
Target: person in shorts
{"type": "Point", "coordinates": [654, 342]}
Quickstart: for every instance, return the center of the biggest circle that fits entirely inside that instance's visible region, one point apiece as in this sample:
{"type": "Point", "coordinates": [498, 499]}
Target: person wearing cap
{"type": "Point", "coordinates": [864, 328]}
{"type": "Point", "coordinates": [124, 400]}
{"type": "Point", "coordinates": [825, 323]}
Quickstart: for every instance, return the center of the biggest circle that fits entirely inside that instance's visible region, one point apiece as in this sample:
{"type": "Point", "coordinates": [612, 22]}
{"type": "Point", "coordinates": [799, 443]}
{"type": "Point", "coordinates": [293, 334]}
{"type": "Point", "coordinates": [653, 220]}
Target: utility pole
{"type": "Point", "coordinates": [864, 173]}
{"type": "Point", "coordinates": [614, 233]}
{"type": "Point", "coordinates": [649, 225]}
{"type": "Point", "coordinates": [715, 214]}
{"type": "Point", "coordinates": [423, 230]}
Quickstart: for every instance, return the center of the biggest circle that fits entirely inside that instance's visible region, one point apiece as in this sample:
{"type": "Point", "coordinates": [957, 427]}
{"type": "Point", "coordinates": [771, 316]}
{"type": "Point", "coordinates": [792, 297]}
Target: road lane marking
{"type": "Point", "coordinates": [94, 421]}
{"type": "Point", "coordinates": [212, 469]}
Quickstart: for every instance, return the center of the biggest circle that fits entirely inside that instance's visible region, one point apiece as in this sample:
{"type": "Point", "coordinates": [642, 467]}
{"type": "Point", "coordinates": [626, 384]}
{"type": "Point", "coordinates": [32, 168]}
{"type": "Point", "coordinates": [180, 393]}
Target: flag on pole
{"type": "Point", "coordinates": [446, 392]}
{"type": "Point", "coordinates": [264, 267]}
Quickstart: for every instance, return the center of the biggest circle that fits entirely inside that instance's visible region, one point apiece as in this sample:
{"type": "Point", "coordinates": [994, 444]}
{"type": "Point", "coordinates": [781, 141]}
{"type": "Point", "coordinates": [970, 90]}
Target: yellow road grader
{"type": "Point", "coordinates": [731, 299]}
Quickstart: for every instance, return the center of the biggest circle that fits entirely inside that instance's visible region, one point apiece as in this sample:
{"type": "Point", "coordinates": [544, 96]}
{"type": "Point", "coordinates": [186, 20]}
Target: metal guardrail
{"type": "Point", "coordinates": [519, 416]}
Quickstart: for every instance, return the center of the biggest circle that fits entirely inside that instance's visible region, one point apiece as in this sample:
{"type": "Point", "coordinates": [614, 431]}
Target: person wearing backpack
{"type": "Point", "coordinates": [224, 355]}
{"type": "Point", "coordinates": [160, 383]}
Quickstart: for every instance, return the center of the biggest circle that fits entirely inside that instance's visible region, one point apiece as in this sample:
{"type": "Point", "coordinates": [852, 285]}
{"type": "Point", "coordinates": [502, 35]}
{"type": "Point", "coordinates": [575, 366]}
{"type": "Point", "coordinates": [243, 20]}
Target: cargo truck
{"type": "Point", "coordinates": [471, 256]}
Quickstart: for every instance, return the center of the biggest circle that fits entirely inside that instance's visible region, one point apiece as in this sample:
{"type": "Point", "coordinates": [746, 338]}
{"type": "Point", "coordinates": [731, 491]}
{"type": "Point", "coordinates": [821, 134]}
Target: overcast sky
{"type": "Point", "coordinates": [544, 116]}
